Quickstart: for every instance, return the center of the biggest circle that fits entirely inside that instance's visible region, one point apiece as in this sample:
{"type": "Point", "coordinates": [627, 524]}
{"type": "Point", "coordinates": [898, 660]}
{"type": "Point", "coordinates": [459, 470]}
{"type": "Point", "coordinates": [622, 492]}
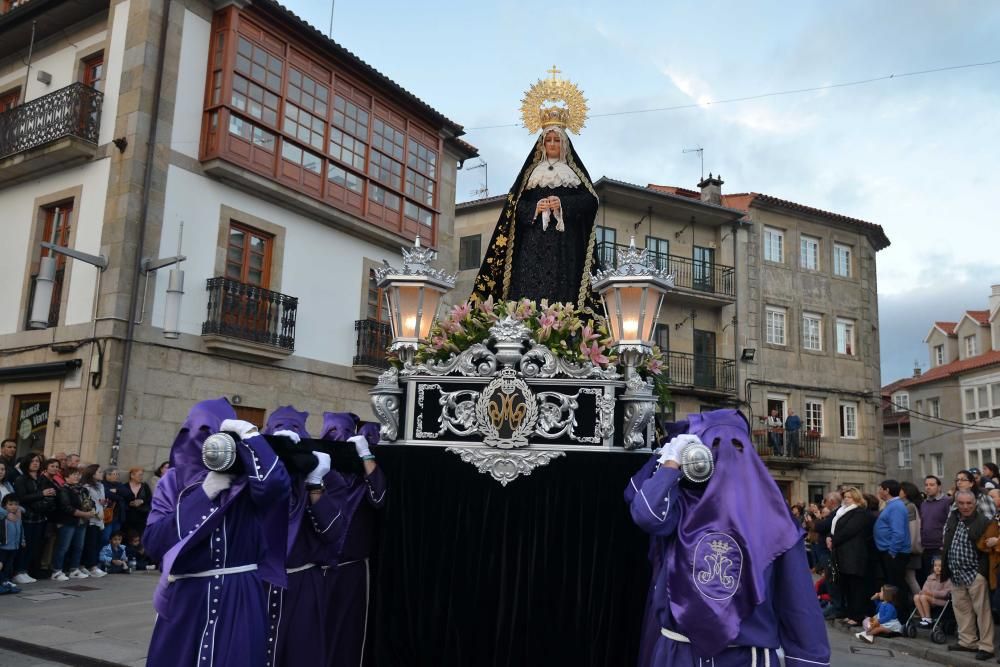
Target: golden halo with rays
{"type": "Point", "coordinates": [536, 113]}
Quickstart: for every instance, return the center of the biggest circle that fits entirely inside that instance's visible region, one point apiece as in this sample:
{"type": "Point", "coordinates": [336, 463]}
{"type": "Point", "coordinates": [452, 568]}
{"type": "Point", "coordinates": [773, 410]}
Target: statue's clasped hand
{"type": "Point", "coordinates": [550, 207]}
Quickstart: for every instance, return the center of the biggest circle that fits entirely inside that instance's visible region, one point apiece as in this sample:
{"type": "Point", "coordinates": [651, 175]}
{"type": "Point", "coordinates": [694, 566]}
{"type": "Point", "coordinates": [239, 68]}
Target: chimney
{"type": "Point", "coordinates": [994, 301]}
{"type": "Point", "coordinates": [711, 189]}
{"type": "Point", "coordinates": [916, 371]}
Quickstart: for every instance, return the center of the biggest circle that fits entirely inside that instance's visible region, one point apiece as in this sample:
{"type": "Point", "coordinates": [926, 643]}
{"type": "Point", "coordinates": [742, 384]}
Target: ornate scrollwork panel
{"type": "Point", "coordinates": [505, 465]}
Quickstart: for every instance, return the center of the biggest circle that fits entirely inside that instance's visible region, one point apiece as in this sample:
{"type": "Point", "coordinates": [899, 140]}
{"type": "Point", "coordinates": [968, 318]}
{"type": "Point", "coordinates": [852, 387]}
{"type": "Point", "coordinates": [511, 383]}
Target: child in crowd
{"type": "Point", "coordinates": [137, 552]}
{"type": "Point", "coordinates": [885, 621]}
{"type": "Point", "coordinates": [822, 589]}
{"type": "Point", "coordinates": [935, 593]}
{"type": "Point", "coordinates": [114, 560]}
{"type": "Point", "coordinates": [11, 542]}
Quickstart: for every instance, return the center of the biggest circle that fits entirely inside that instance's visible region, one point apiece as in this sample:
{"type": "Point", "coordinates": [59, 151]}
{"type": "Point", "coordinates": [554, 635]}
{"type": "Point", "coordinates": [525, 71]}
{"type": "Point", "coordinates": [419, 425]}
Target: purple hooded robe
{"type": "Point", "coordinates": [215, 620]}
{"type": "Point", "coordinates": [732, 582]}
{"type": "Point", "coordinates": [348, 580]}
{"type": "Point", "coordinates": [297, 627]}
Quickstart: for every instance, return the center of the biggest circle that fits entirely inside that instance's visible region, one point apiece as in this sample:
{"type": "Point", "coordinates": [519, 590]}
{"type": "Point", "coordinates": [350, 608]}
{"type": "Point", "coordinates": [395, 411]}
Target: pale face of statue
{"type": "Point", "coordinates": [553, 145]}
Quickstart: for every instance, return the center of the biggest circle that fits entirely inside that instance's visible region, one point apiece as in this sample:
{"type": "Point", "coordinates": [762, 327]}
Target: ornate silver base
{"type": "Point", "coordinates": [505, 465]}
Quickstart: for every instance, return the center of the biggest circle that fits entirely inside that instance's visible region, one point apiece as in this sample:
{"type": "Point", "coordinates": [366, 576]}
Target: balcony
{"type": "Point", "coordinates": [696, 282]}
{"type": "Point", "coordinates": [48, 17]}
{"type": "Point", "coordinates": [778, 449]}
{"type": "Point", "coordinates": [373, 339]}
{"type": "Point", "coordinates": [57, 130]}
{"type": "Point", "coordinates": [249, 320]}
{"type": "Point", "coordinates": [701, 373]}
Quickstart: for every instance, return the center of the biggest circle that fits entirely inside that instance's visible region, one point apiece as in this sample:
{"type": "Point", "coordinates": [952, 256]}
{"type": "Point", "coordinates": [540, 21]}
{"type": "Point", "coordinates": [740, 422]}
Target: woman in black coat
{"type": "Point", "coordinates": [138, 499]}
{"type": "Point", "coordinates": [850, 542]}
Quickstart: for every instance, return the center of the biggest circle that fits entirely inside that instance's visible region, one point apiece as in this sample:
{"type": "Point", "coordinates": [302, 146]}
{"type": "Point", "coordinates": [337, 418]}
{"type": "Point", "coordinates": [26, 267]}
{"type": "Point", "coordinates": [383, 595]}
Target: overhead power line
{"type": "Point", "coordinates": [777, 93]}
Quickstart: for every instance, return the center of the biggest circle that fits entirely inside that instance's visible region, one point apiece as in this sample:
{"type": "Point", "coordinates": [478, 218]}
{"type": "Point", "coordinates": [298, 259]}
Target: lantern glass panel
{"type": "Point", "coordinates": [432, 298]}
{"type": "Point", "coordinates": [631, 314]}
{"type": "Point", "coordinates": [407, 306]}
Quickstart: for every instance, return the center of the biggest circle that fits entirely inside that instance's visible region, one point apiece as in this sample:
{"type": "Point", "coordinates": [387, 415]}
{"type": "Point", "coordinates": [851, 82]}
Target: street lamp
{"type": "Point", "coordinates": [412, 296]}
{"type": "Point", "coordinates": [632, 293]}
{"type": "Point", "coordinates": [46, 279]}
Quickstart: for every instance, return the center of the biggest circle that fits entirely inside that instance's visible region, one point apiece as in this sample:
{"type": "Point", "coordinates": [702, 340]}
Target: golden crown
{"type": "Point", "coordinates": [537, 112]}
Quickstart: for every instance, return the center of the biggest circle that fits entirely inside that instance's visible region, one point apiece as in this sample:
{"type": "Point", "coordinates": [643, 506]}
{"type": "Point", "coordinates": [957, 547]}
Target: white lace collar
{"type": "Point", "coordinates": [544, 177]}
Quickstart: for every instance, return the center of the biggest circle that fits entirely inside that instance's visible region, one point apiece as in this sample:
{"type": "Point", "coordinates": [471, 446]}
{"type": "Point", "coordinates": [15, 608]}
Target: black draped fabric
{"type": "Point", "coordinates": [548, 264]}
{"type": "Point", "coordinates": [522, 260]}
{"type": "Point", "coordinates": [549, 570]}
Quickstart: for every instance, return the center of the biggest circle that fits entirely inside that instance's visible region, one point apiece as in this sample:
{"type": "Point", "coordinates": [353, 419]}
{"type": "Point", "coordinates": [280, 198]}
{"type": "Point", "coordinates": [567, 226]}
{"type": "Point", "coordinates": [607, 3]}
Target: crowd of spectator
{"type": "Point", "coordinates": [64, 519]}
{"type": "Point", "coordinates": [904, 555]}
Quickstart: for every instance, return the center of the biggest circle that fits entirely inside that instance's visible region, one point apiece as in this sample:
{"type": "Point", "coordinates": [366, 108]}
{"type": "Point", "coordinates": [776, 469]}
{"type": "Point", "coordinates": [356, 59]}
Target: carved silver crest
{"type": "Point", "coordinates": [506, 411]}
{"type": "Point", "coordinates": [505, 465]}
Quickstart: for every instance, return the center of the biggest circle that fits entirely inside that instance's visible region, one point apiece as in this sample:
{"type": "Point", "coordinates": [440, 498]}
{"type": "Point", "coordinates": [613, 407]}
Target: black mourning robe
{"type": "Point", "coordinates": [525, 261]}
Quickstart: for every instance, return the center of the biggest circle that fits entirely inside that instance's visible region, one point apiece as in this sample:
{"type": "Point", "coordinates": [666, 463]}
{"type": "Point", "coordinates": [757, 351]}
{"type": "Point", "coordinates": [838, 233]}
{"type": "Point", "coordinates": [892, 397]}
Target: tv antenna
{"type": "Point", "coordinates": [483, 192]}
{"type": "Point", "coordinates": [701, 154]}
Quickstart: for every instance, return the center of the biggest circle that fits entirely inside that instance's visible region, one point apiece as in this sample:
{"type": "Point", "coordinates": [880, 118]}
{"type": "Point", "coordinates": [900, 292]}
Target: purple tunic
{"type": "Point", "coordinates": [297, 628]}
{"type": "Point", "coordinates": [348, 582]}
{"type": "Point", "coordinates": [216, 620]}
{"type": "Point", "coordinates": [725, 590]}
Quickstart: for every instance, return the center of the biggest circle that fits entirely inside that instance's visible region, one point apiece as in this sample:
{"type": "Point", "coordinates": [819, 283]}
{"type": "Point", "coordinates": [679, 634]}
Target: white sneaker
{"type": "Point", "coordinates": [59, 575]}
{"type": "Point", "coordinates": [868, 638]}
{"type": "Point", "coordinates": [97, 572]}
{"type": "Point", "coordinates": [78, 574]}
{"type": "Point", "coordinates": [22, 579]}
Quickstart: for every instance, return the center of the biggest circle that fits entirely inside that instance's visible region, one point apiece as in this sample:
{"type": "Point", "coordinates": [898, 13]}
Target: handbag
{"type": "Point", "coordinates": [109, 514]}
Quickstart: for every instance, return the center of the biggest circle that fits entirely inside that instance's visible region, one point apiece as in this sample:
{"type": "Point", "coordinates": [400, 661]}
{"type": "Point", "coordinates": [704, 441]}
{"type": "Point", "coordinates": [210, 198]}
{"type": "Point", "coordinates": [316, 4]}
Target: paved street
{"type": "Point", "coordinates": [109, 619]}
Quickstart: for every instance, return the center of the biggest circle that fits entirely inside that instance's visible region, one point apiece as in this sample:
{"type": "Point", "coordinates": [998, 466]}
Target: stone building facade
{"type": "Point", "coordinates": [953, 408]}
{"type": "Point", "coordinates": [776, 308]}
{"type": "Point", "coordinates": [295, 169]}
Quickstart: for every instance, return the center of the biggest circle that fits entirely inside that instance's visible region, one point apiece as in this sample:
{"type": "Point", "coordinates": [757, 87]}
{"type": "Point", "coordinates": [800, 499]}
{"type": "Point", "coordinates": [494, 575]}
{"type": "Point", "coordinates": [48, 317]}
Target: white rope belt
{"type": "Point", "coordinates": [678, 637]}
{"type": "Point", "coordinates": [300, 568]}
{"type": "Point", "coordinates": [213, 573]}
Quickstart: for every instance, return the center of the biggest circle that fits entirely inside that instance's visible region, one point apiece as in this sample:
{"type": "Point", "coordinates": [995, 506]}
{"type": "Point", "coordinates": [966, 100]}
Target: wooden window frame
{"type": "Point", "coordinates": [244, 261]}
{"type": "Point", "coordinates": [230, 26]}
{"type": "Point", "coordinates": [465, 262]}
{"type": "Point", "coordinates": [88, 64]}
{"type": "Point", "coordinates": [10, 98]}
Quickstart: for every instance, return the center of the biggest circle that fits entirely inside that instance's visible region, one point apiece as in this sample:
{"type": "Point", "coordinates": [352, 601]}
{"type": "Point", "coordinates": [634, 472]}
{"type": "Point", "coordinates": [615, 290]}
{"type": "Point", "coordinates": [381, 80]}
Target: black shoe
{"type": "Point", "coordinates": [984, 655]}
{"type": "Point", "coordinates": [959, 647]}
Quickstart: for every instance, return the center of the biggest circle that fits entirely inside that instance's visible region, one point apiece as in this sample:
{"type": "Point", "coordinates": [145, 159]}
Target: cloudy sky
{"type": "Point", "coordinates": [915, 154]}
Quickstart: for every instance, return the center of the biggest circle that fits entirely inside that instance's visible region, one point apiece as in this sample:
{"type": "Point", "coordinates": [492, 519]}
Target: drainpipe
{"type": "Point", "coordinates": [143, 223]}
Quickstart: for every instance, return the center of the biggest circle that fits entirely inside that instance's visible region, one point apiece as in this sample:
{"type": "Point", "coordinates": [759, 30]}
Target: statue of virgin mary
{"type": "Point", "coordinates": [543, 243]}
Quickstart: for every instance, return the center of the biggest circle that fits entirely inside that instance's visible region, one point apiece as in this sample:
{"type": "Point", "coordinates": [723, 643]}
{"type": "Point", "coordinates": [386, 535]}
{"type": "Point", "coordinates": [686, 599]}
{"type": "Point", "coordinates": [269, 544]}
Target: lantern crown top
{"type": "Point", "coordinates": [632, 263]}
{"type": "Point", "coordinates": [417, 261]}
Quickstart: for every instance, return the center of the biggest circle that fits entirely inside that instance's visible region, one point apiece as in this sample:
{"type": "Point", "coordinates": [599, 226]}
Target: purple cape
{"type": "Point", "coordinates": [727, 536]}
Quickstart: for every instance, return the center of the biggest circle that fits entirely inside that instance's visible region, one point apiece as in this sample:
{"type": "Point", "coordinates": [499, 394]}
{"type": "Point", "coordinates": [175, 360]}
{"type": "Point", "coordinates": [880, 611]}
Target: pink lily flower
{"type": "Point", "coordinates": [593, 353]}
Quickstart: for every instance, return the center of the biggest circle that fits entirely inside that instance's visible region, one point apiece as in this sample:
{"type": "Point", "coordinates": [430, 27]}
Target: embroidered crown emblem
{"type": "Point", "coordinates": [719, 547]}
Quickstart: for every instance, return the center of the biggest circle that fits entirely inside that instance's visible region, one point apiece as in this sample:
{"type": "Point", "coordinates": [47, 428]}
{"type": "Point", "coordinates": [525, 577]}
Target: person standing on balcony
{"type": "Point", "coordinates": [793, 426]}
{"type": "Point", "coordinates": [774, 433]}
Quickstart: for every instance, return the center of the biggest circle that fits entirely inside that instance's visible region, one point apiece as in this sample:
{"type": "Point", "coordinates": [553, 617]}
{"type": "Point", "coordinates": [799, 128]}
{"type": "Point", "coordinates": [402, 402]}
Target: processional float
{"type": "Point", "coordinates": [509, 403]}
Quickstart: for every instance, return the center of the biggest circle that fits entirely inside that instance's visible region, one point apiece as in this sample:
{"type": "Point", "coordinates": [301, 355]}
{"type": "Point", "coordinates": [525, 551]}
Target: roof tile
{"type": "Point", "coordinates": [956, 368]}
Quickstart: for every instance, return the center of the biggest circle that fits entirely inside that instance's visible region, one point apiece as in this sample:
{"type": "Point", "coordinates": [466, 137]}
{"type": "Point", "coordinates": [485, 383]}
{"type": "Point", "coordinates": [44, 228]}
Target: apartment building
{"type": "Point", "coordinates": [775, 309]}
{"type": "Point", "coordinates": [281, 166]}
{"type": "Point", "coordinates": [954, 407]}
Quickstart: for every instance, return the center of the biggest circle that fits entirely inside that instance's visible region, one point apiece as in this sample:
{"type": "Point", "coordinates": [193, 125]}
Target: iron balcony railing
{"type": "Point", "coordinates": [251, 313]}
{"type": "Point", "coordinates": [373, 340]}
{"type": "Point", "coordinates": [701, 372]}
{"type": "Point", "coordinates": [73, 111]}
{"type": "Point", "coordinates": [694, 274]}
{"type": "Point", "coordinates": [778, 445]}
